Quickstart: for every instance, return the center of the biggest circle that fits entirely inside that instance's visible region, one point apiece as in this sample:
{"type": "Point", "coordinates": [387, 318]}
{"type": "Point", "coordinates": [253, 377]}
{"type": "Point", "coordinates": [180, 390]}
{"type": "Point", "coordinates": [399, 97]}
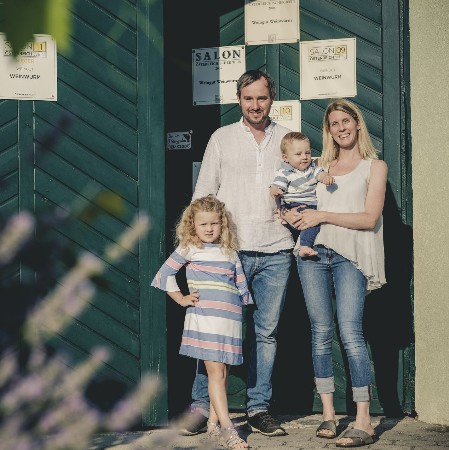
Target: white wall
{"type": "Point", "coordinates": [429, 62]}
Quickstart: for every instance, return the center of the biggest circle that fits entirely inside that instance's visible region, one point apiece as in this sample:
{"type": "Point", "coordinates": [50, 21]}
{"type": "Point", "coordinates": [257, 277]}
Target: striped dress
{"type": "Point", "coordinates": [213, 327]}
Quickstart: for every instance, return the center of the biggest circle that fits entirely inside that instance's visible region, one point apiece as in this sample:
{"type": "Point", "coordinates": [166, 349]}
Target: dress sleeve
{"type": "Point", "coordinates": [165, 278]}
{"type": "Point", "coordinates": [242, 285]}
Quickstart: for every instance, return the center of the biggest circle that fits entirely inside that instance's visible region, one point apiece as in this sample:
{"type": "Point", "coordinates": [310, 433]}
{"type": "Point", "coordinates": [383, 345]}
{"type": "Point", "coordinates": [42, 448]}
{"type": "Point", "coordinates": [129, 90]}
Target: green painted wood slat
{"type": "Point", "coordinates": [108, 26]}
{"type": "Point", "coordinates": [90, 138]}
{"type": "Point", "coordinates": [101, 120]}
{"type": "Point", "coordinates": [61, 195]}
{"type": "Point", "coordinates": [120, 184]}
{"type": "Point", "coordinates": [103, 70]}
{"type": "Point", "coordinates": [103, 96]}
{"type": "Point", "coordinates": [104, 48]}
{"type": "Point", "coordinates": [356, 23]}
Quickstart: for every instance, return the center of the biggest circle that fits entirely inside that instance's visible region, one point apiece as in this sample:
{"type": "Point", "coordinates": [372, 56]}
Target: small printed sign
{"type": "Point", "coordinates": [215, 74]}
{"type": "Point", "coordinates": [287, 113]}
{"type": "Point", "coordinates": [327, 69]}
{"type": "Point", "coordinates": [271, 21]}
{"type": "Point", "coordinates": [179, 140]}
{"type": "Point", "coordinates": [32, 75]}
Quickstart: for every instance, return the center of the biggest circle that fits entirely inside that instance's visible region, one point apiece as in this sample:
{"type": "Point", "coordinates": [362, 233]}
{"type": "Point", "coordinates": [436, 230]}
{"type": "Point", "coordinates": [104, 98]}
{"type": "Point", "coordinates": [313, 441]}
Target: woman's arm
{"type": "Point", "coordinates": [365, 220]}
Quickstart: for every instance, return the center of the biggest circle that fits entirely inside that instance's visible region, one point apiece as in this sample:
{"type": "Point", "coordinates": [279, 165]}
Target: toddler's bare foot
{"type": "Point", "coordinates": [306, 251]}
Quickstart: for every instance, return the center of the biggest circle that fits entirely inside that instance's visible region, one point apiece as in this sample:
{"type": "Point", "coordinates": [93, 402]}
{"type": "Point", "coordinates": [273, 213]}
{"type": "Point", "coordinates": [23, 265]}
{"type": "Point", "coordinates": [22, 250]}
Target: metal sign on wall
{"type": "Point", "coordinates": [287, 113]}
{"type": "Point", "coordinates": [179, 140]}
{"type": "Point", "coordinates": [327, 69]}
{"type": "Point", "coordinates": [271, 21]}
{"type": "Point", "coordinates": [32, 75]}
{"type": "Point", "coordinates": [215, 72]}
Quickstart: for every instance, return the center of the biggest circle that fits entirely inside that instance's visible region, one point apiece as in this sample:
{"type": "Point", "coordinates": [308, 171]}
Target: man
{"type": "Point", "coordinates": [238, 167]}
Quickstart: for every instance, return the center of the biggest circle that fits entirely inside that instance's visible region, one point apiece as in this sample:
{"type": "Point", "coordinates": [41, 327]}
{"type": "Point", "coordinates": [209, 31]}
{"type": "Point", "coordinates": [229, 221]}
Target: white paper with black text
{"type": "Point", "coordinates": [32, 75]}
{"type": "Point", "coordinates": [327, 69]}
{"type": "Point", "coordinates": [215, 72]}
{"type": "Point", "coordinates": [271, 21]}
{"type": "Point", "coordinates": [287, 113]}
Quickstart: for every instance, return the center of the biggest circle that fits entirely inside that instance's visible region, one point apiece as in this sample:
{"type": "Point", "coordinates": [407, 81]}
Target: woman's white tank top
{"type": "Point", "coordinates": [365, 248]}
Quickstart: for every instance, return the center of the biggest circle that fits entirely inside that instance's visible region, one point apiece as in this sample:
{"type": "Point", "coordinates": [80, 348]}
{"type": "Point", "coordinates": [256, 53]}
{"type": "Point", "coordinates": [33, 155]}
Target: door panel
{"type": "Point", "coordinates": [109, 138]}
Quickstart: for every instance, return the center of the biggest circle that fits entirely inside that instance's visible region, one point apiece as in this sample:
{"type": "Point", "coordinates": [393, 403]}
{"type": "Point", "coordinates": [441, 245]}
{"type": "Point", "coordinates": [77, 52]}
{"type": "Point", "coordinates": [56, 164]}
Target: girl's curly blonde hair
{"type": "Point", "coordinates": [185, 228]}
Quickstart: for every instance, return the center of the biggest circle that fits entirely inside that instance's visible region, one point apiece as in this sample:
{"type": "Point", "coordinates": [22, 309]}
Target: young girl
{"type": "Point", "coordinates": [218, 289]}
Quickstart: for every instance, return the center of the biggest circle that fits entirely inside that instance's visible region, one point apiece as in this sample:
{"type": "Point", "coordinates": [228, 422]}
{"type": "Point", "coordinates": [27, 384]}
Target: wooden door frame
{"type": "Point", "coordinates": [152, 199]}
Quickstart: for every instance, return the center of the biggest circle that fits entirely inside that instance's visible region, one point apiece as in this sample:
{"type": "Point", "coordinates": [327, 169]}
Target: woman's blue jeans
{"type": "Point", "coordinates": [319, 275]}
{"type": "Point", "coordinates": [267, 275]}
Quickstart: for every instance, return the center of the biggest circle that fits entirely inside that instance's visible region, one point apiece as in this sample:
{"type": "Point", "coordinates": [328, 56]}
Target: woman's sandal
{"type": "Point", "coordinates": [213, 431]}
{"type": "Point", "coordinates": [232, 439]}
{"type": "Point", "coordinates": [359, 438]}
{"type": "Point", "coordinates": [327, 425]}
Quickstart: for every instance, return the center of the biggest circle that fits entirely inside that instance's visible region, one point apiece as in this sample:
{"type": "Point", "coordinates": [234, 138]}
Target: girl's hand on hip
{"type": "Point", "coordinates": [191, 299]}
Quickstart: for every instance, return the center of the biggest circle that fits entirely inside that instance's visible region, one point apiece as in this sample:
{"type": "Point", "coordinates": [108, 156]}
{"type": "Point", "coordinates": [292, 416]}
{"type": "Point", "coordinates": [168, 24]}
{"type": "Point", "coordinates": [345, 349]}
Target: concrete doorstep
{"type": "Point", "coordinates": [394, 434]}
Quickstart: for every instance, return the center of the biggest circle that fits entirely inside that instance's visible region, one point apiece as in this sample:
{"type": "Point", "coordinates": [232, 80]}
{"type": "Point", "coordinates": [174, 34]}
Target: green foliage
{"type": "Point", "coordinates": [21, 19]}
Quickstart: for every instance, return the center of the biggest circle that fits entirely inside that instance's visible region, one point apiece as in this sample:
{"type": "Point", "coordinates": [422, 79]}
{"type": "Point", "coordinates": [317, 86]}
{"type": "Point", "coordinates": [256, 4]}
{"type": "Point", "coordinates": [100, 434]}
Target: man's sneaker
{"type": "Point", "coordinates": [193, 423]}
{"type": "Point", "coordinates": [266, 424]}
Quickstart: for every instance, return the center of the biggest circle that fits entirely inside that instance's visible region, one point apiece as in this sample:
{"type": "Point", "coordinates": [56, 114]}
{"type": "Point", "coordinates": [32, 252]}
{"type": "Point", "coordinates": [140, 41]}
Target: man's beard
{"type": "Point", "coordinates": [255, 122]}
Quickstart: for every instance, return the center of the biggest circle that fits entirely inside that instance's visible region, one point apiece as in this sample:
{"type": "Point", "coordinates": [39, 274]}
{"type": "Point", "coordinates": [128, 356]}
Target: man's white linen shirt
{"type": "Point", "coordinates": [238, 171]}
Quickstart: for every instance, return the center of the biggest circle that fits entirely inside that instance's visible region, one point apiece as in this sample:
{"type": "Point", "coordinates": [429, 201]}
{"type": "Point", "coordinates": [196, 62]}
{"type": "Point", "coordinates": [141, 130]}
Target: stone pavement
{"type": "Point", "coordinates": [394, 434]}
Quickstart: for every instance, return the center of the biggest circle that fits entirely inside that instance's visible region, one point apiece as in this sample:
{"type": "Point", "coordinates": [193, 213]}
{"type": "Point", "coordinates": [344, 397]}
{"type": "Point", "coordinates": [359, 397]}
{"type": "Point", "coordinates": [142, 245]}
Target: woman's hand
{"type": "Point", "coordinates": [304, 219]}
{"type": "Point", "coordinates": [309, 218]}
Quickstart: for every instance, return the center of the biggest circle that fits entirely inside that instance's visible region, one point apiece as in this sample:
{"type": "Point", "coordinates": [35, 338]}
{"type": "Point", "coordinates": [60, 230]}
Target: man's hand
{"type": "Point", "coordinates": [291, 216]}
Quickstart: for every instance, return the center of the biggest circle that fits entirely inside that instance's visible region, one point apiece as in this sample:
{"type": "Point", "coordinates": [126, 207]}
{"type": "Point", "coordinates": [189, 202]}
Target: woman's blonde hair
{"type": "Point", "coordinates": [330, 148]}
{"type": "Point", "coordinates": [185, 228]}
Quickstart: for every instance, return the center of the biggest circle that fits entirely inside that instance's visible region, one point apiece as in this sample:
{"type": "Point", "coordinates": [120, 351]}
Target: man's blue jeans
{"type": "Point", "coordinates": [317, 275]}
{"type": "Point", "coordinates": [267, 275]}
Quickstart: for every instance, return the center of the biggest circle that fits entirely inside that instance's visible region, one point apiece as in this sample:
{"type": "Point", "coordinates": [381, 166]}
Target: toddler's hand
{"type": "Point", "coordinates": [328, 180]}
{"type": "Point", "coordinates": [275, 191]}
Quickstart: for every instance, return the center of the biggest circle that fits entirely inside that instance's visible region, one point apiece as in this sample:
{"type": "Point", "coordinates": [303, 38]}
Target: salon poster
{"type": "Point", "coordinates": [271, 21]}
{"type": "Point", "coordinates": [215, 72]}
{"type": "Point", "coordinates": [327, 69]}
{"type": "Point", "coordinates": [33, 74]}
{"type": "Point", "coordinates": [287, 113]}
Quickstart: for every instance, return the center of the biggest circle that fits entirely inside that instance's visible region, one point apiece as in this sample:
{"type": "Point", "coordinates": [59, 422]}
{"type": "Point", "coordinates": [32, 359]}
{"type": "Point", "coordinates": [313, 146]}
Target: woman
{"type": "Point", "coordinates": [350, 260]}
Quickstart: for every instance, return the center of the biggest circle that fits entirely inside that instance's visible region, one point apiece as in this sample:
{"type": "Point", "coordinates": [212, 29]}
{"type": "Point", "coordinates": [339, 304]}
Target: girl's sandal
{"type": "Point", "coordinates": [213, 431]}
{"type": "Point", "coordinates": [232, 439]}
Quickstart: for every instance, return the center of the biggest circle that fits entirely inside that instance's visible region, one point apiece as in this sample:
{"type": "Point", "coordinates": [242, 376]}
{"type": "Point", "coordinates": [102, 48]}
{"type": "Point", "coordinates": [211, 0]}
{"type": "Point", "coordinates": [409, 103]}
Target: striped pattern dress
{"type": "Point", "coordinates": [213, 327]}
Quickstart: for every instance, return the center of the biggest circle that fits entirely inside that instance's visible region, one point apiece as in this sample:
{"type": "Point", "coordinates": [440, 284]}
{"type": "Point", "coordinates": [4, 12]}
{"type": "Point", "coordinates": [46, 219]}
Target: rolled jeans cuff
{"type": "Point", "coordinates": [361, 394]}
{"type": "Point", "coordinates": [203, 411]}
{"type": "Point", "coordinates": [325, 385]}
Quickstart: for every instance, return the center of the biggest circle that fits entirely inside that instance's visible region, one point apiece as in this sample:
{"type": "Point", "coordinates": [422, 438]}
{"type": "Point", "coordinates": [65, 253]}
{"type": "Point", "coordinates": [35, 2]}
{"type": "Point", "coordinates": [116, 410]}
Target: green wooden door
{"type": "Point", "coordinates": [110, 138]}
{"type": "Point", "coordinates": [378, 28]}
